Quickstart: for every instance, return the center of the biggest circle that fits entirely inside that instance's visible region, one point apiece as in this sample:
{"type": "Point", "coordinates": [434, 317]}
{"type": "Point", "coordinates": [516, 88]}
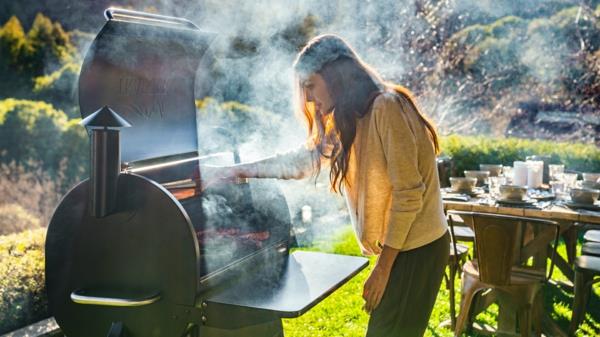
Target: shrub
{"type": "Point", "coordinates": [22, 292]}
{"type": "Point", "coordinates": [59, 87]}
{"type": "Point", "coordinates": [36, 131]}
{"type": "Point", "coordinates": [32, 189]}
{"type": "Point", "coordinates": [468, 152]}
{"type": "Point", "coordinates": [549, 59]}
{"type": "Point", "coordinates": [30, 130]}
{"type": "Point", "coordinates": [487, 50]}
{"type": "Point", "coordinates": [15, 219]}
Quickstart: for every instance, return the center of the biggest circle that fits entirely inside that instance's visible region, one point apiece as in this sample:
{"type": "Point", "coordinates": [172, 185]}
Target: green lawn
{"type": "Point", "coordinates": [341, 314]}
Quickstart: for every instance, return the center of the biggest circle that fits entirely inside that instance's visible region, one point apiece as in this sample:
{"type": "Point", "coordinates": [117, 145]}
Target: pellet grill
{"type": "Point", "coordinates": [137, 249]}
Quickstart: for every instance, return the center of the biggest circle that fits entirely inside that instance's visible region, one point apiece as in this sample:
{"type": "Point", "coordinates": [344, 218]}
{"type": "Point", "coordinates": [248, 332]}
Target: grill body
{"type": "Point", "coordinates": [137, 250]}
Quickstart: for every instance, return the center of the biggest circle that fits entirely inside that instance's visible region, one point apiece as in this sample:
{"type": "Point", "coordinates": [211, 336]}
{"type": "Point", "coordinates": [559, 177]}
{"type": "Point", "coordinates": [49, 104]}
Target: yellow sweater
{"type": "Point", "coordinates": [393, 194]}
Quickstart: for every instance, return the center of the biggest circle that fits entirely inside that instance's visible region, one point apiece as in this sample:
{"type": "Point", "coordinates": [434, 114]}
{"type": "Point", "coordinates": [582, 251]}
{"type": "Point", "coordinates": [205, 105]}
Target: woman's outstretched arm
{"type": "Point", "coordinates": [294, 164]}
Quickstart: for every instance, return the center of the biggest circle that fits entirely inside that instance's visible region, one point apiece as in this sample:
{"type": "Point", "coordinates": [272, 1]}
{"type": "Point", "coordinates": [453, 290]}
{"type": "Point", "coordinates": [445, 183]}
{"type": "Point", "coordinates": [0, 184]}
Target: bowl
{"type": "Point", "coordinates": [590, 185]}
{"type": "Point", "coordinates": [584, 195]}
{"type": "Point", "coordinates": [495, 170]}
{"type": "Point", "coordinates": [481, 176]}
{"type": "Point", "coordinates": [588, 176]}
{"type": "Point", "coordinates": [512, 192]}
{"type": "Point", "coordinates": [462, 184]}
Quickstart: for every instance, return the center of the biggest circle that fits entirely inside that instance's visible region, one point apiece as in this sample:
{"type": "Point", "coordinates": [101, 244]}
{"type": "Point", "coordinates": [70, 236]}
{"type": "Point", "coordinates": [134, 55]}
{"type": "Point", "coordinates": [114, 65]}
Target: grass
{"type": "Point", "coordinates": [341, 313]}
{"type": "Point", "coordinates": [338, 315]}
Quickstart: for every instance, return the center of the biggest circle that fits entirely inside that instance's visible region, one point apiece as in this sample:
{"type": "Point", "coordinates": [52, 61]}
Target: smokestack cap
{"type": "Point", "coordinates": [105, 118]}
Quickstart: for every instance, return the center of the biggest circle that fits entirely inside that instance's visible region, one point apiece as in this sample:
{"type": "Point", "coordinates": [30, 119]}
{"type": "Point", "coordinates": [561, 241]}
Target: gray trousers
{"type": "Point", "coordinates": [411, 291]}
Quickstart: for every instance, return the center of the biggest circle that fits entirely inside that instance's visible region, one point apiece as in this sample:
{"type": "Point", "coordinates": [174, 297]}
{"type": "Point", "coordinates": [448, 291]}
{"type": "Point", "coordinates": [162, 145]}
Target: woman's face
{"type": "Point", "coordinates": [317, 92]}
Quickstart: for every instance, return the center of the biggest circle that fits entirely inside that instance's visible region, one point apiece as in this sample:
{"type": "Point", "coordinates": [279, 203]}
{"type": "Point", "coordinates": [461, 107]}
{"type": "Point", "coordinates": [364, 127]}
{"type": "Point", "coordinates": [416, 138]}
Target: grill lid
{"type": "Point", "coordinates": [144, 66]}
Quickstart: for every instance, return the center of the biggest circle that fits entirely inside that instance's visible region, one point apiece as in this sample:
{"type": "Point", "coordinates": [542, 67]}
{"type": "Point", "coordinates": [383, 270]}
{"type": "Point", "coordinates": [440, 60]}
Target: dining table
{"type": "Point", "coordinates": [546, 206]}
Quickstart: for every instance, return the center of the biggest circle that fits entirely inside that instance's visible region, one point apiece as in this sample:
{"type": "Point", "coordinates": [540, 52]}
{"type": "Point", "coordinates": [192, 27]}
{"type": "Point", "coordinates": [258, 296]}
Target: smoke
{"type": "Point", "coordinates": [254, 50]}
{"type": "Point", "coordinates": [254, 60]}
{"type": "Point", "coordinates": [256, 42]}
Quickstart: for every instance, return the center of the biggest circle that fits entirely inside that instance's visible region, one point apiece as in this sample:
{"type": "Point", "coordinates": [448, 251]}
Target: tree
{"type": "Point", "coordinates": [45, 52]}
{"type": "Point", "coordinates": [12, 41]}
{"type": "Point", "coordinates": [30, 131]}
{"type": "Point", "coordinates": [49, 46]}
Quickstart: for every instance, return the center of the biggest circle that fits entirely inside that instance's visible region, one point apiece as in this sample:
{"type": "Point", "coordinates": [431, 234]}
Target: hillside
{"type": "Point", "coordinates": [530, 70]}
{"type": "Point", "coordinates": [536, 78]}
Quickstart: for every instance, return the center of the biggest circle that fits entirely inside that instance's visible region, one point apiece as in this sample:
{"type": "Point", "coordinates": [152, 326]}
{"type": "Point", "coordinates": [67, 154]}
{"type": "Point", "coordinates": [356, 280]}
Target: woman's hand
{"type": "Point", "coordinates": [377, 282]}
{"type": "Point", "coordinates": [374, 287]}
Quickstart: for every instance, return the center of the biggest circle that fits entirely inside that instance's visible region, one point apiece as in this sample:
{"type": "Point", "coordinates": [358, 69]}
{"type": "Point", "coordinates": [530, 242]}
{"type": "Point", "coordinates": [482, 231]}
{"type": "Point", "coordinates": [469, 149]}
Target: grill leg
{"type": "Point", "coordinates": [192, 331]}
{"type": "Point", "coordinates": [267, 329]}
{"type": "Point", "coordinates": [116, 330]}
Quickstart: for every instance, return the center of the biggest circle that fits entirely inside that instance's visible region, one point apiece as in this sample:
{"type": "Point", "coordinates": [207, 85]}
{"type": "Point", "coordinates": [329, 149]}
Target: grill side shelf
{"type": "Point", "coordinates": [308, 279]}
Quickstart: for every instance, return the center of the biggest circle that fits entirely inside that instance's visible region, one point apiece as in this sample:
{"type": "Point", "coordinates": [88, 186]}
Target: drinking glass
{"type": "Point", "coordinates": [569, 179]}
{"type": "Point", "coordinates": [507, 172]}
{"type": "Point", "coordinates": [494, 184]}
{"type": "Point", "coordinates": [535, 171]}
{"type": "Point", "coordinates": [520, 173]}
{"type": "Point", "coordinates": [555, 171]}
{"type": "Point", "coordinates": [558, 188]}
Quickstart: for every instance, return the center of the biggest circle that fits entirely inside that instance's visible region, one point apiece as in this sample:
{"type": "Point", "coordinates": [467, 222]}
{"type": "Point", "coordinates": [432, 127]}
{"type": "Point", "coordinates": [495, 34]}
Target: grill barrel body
{"type": "Point", "coordinates": [145, 248]}
{"type": "Point", "coordinates": [148, 249]}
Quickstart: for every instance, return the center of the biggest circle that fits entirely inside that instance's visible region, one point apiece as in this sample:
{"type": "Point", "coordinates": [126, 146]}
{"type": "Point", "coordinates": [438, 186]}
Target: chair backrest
{"type": "Point", "coordinates": [444, 166]}
{"type": "Point", "coordinates": [504, 242]}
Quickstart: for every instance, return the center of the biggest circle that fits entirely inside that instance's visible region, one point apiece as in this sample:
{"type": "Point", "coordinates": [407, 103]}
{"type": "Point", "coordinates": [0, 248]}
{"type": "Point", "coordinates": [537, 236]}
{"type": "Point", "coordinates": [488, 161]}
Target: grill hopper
{"type": "Point", "coordinates": [214, 264]}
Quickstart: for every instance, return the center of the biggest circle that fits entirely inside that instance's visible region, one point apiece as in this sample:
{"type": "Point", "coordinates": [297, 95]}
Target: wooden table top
{"type": "Point", "coordinates": [553, 212]}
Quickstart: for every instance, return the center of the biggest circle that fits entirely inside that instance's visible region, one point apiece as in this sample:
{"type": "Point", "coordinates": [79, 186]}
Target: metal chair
{"type": "Point", "coordinates": [458, 257]}
{"type": "Point", "coordinates": [587, 272]}
{"type": "Point", "coordinates": [592, 235]}
{"type": "Point", "coordinates": [462, 232]}
{"type": "Point", "coordinates": [591, 249]}
{"type": "Point", "coordinates": [504, 245]}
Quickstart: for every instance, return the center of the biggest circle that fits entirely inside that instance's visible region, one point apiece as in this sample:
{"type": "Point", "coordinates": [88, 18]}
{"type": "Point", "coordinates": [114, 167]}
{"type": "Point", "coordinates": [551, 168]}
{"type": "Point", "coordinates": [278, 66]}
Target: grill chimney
{"type": "Point", "coordinates": [105, 154]}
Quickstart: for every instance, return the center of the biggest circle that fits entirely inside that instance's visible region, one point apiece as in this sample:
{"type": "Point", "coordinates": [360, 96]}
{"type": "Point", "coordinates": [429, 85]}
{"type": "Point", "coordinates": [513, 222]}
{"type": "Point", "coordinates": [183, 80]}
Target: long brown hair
{"type": "Point", "coordinates": [353, 85]}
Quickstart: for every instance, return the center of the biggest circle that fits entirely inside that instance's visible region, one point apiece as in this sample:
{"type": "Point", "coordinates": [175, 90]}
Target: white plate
{"type": "Point", "coordinates": [576, 205]}
{"type": "Point", "coordinates": [516, 202]}
{"type": "Point", "coordinates": [474, 192]}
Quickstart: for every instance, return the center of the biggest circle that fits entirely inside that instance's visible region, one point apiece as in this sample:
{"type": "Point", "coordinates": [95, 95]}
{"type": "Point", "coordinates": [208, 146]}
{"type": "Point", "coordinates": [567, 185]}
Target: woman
{"type": "Point", "coordinates": [381, 155]}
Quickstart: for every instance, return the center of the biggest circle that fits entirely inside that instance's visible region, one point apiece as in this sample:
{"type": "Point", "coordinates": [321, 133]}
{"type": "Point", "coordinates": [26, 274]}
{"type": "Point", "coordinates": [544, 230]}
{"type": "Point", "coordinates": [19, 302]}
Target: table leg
{"type": "Point", "coordinates": [570, 237]}
{"type": "Point", "coordinates": [569, 234]}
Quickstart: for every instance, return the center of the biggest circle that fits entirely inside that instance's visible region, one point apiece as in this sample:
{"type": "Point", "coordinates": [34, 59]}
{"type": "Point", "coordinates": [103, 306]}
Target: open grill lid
{"type": "Point", "coordinates": [144, 66]}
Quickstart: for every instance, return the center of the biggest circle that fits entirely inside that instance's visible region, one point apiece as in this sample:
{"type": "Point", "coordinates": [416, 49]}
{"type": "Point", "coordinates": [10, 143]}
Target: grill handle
{"type": "Point", "coordinates": [83, 297]}
{"type": "Point", "coordinates": [113, 13]}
